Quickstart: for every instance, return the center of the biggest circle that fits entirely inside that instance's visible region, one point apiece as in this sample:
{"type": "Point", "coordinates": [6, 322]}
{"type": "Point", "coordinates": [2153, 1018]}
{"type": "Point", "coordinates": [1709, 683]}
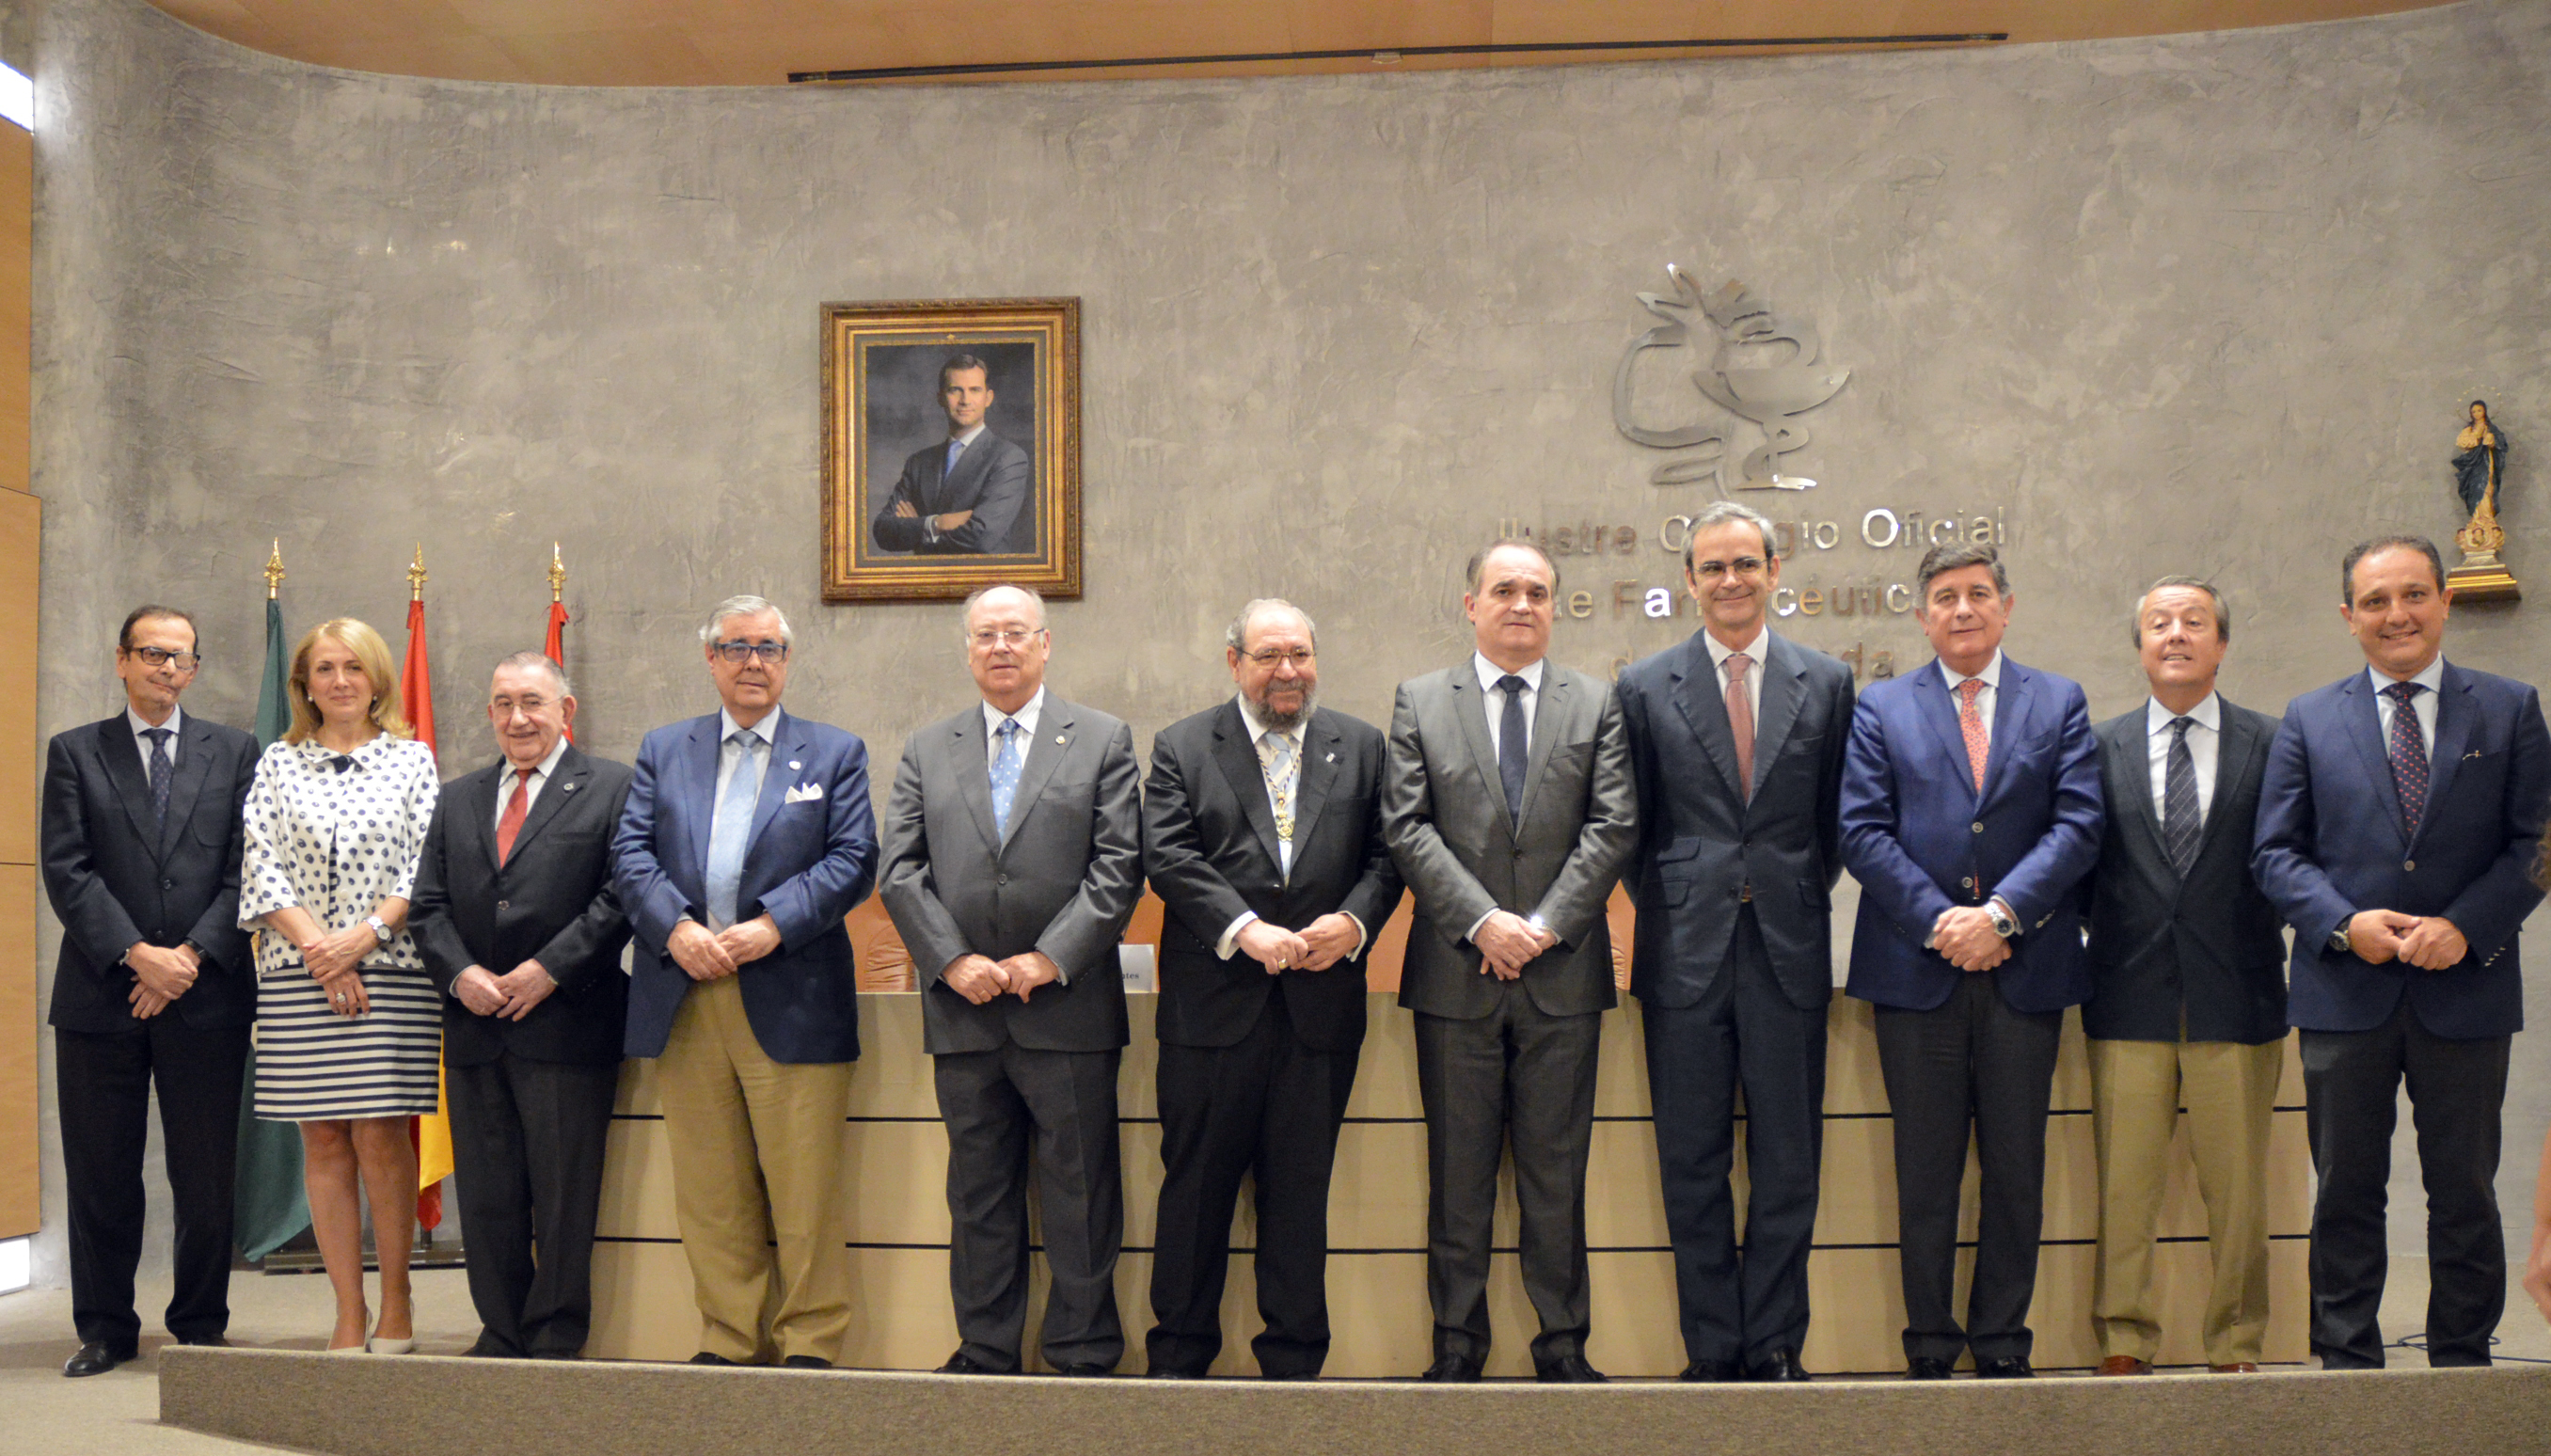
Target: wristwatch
{"type": "Point", "coordinates": [2003, 925]}
{"type": "Point", "coordinates": [2339, 944]}
{"type": "Point", "coordinates": [380, 928]}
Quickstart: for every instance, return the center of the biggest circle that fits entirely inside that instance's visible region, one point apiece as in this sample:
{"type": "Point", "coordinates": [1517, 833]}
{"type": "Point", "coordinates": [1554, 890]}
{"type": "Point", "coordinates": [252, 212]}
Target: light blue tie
{"type": "Point", "coordinates": [1005, 774]}
{"type": "Point", "coordinates": [955, 447]}
{"type": "Point", "coordinates": [729, 830]}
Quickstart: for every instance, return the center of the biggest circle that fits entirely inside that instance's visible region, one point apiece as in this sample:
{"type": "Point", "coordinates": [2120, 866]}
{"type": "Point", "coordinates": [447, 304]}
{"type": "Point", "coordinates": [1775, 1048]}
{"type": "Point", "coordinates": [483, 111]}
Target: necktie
{"type": "Point", "coordinates": [2409, 753]}
{"type": "Point", "coordinates": [1005, 776]}
{"type": "Point", "coordinates": [1281, 764]}
{"type": "Point", "coordinates": [955, 447]}
{"type": "Point", "coordinates": [1740, 719]}
{"type": "Point", "coordinates": [730, 827]}
{"type": "Point", "coordinates": [161, 768]}
{"type": "Point", "coordinates": [515, 808]}
{"type": "Point", "coordinates": [2179, 825]}
{"type": "Point", "coordinates": [1971, 722]}
{"type": "Point", "coordinates": [1514, 745]}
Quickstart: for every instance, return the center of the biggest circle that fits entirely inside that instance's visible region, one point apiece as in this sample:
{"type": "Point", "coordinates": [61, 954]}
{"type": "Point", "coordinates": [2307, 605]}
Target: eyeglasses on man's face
{"type": "Point", "coordinates": [1270, 658]}
{"type": "Point", "coordinates": [774, 653]}
{"type": "Point", "coordinates": [992, 637]}
{"type": "Point", "coordinates": [160, 657]}
{"type": "Point", "coordinates": [1743, 565]}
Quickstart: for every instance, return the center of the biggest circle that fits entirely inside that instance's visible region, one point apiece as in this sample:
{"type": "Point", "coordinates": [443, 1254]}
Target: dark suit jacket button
{"type": "Point", "coordinates": [1004, 879]}
{"type": "Point", "coordinates": [504, 905]}
{"type": "Point", "coordinates": [1978, 826]}
{"type": "Point", "coordinates": [167, 884]}
{"type": "Point", "coordinates": [2409, 864]}
{"type": "Point", "coordinates": [1967, 884]}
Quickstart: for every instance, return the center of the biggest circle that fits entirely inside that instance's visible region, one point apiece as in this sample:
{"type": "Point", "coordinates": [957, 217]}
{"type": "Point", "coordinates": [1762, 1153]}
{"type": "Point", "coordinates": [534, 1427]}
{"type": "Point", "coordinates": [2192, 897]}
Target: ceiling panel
{"type": "Point", "coordinates": [712, 42]}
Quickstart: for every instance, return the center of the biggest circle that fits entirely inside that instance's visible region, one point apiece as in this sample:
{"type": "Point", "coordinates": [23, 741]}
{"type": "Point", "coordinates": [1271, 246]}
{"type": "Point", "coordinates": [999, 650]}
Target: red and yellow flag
{"type": "Point", "coordinates": [431, 1135]}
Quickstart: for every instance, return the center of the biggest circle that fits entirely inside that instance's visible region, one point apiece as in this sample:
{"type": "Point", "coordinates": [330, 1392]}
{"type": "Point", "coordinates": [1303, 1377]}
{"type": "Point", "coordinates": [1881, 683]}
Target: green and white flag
{"type": "Point", "coordinates": [270, 1208]}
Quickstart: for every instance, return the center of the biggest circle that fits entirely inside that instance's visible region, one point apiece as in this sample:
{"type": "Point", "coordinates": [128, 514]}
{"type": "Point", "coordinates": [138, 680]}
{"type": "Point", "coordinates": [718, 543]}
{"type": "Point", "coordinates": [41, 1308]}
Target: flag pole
{"type": "Point", "coordinates": [268, 1209]}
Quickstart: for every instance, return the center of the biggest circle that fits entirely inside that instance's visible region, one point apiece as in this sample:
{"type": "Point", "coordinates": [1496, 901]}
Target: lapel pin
{"type": "Point", "coordinates": [792, 762]}
{"type": "Point", "coordinates": [1333, 758]}
{"type": "Point", "coordinates": [567, 788]}
{"type": "Point", "coordinates": [1058, 737]}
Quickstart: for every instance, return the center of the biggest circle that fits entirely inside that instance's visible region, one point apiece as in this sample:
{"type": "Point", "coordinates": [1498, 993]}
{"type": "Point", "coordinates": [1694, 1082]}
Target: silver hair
{"type": "Point", "coordinates": [540, 660]}
{"type": "Point", "coordinates": [744, 606]}
{"type": "Point", "coordinates": [1719, 513]}
{"type": "Point", "coordinates": [1035, 599]}
{"type": "Point", "coordinates": [2222, 612]}
{"type": "Point", "coordinates": [1236, 636]}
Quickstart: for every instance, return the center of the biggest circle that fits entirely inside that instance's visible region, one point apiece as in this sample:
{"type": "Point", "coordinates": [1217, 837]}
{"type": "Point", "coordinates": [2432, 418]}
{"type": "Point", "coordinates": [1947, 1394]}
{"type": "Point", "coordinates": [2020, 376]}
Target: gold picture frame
{"type": "Point", "coordinates": [902, 521]}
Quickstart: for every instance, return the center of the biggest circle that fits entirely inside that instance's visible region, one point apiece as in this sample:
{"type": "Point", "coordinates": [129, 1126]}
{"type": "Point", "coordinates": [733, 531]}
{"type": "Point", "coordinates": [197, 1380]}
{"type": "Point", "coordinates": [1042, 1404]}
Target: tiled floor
{"type": "Point", "coordinates": [117, 1415]}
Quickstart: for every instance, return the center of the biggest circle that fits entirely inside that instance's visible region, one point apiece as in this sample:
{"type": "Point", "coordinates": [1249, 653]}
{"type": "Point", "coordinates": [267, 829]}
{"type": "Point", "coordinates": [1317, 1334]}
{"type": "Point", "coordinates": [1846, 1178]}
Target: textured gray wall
{"type": "Point", "coordinates": [2203, 304]}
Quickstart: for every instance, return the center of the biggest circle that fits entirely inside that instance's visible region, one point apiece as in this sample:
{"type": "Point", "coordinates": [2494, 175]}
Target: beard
{"type": "Point", "coordinates": [1273, 717]}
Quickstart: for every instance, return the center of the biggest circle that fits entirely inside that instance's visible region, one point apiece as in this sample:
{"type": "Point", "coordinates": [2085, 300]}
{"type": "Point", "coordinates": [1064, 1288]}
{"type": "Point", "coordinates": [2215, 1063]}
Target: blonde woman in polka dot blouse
{"type": "Point", "coordinates": [348, 1025]}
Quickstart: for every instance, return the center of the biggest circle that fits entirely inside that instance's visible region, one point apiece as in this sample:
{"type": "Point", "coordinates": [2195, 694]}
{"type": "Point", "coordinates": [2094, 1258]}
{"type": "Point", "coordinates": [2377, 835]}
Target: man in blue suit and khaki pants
{"type": "Point", "coordinates": [2397, 843]}
{"type": "Point", "coordinates": [748, 837]}
{"type": "Point", "coordinates": [1970, 815]}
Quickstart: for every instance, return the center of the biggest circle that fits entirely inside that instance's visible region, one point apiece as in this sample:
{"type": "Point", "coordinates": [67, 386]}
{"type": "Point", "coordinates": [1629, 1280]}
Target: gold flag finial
{"type": "Point", "coordinates": [275, 571]}
{"type": "Point", "coordinates": [416, 576]}
{"type": "Point", "coordinates": [558, 574]}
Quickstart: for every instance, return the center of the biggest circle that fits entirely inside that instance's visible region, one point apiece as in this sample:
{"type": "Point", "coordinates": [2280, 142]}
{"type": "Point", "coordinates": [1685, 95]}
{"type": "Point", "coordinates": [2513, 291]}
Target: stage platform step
{"type": "Point", "coordinates": [421, 1405]}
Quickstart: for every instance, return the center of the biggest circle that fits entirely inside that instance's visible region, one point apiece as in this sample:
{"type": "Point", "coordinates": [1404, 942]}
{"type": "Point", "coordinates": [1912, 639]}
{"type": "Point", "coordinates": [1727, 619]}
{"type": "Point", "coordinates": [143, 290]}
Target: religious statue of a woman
{"type": "Point", "coordinates": [2482, 456]}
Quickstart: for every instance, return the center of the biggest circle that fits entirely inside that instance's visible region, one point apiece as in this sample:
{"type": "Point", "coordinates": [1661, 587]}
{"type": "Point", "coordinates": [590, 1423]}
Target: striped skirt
{"type": "Point", "coordinates": [313, 1065]}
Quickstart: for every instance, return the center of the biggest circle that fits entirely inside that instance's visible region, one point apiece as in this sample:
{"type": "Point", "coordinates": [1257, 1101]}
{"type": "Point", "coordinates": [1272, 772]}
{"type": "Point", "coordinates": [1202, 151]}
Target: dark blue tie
{"type": "Point", "coordinates": [2181, 826]}
{"type": "Point", "coordinates": [2408, 751]}
{"type": "Point", "coordinates": [161, 768]}
{"type": "Point", "coordinates": [1514, 746]}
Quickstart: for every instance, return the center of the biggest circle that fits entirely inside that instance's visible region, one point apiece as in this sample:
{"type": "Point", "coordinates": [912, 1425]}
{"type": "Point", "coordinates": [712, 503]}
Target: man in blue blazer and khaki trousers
{"type": "Point", "coordinates": [2397, 844]}
{"type": "Point", "coordinates": [1971, 813]}
{"type": "Point", "coordinates": [747, 838]}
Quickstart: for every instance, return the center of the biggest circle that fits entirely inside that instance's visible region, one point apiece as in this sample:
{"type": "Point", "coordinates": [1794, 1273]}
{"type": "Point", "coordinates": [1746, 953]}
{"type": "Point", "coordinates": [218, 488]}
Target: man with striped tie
{"type": "Point", "coordinates": [2188, 997]}
{"type": "Point", "coordinates": [2397, 819]}
{"type": "Point", "coordinates": [1013, 858]}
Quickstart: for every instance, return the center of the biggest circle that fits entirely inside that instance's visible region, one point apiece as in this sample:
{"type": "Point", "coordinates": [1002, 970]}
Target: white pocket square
{"type": "Point", "coordinates": [805, 791]}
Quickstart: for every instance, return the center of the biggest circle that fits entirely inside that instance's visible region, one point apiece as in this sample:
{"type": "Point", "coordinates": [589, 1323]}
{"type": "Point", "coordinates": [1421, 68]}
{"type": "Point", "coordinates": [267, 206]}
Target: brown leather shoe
{"type": "Point", "coordinates": [2124, 1365]}
{"type": "Point", "coordinates": [2238, 1367]}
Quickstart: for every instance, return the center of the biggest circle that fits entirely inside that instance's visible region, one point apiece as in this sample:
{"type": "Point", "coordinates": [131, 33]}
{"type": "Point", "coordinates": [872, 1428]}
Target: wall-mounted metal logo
{"type": "Point", "coordinates": [1764, 369]}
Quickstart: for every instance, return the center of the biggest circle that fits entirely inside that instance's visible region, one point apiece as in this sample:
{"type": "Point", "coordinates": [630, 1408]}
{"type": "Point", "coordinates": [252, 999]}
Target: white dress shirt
{"type": "Point", "coordinates": [1990, 676]}
{"type": "Point", "coordinates": [2204, 745]}
{"type": "Point", "coordinates": [1226, 947]}
{"type": "Point", "coordinates": [1720, 651]}
{"type": "Point", "coordinates": [2430, 678]}
{"type": "Point", "coordinates": [548, 766]}
{"type": "Point", "coordinates": [1494, 698]}
{"type": "Point", "coordinates": [1027, 716]}
{"type": "Point", "coordinates": [176, 730]}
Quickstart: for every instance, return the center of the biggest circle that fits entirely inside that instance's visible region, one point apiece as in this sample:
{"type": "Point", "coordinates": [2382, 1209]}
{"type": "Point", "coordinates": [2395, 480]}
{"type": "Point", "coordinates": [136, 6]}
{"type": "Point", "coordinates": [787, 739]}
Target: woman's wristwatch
{"type": "Point", "coordinates": [380, 928]}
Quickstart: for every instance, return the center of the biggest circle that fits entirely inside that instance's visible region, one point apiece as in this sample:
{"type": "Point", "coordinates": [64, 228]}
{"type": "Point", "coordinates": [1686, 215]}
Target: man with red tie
{"type": "Point", "coordinates": [516, 918]}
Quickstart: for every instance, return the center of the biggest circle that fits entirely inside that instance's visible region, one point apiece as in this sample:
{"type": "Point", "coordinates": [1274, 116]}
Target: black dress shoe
{"type": "Point", "coordinates": [1086, 1370]}
{"type": "Point", "coordinates": [208, 1342]}
{"type": "Point", "coordinates": [1779, 1365]}
{"type": "Point", "coordinates": [706, 1358]}
{"type": "Point", "coordinates": [1926, 1367]}
{"type": "Point", "coordinates": [961, 1363]}
{"type": "Point", "coordinates": [98, 1358]}
{"type": "Point", "coordinates": [2008, 1367]}
{"type": "Point", "coordinates": [1570, 1370]}
{"type": "Point", "coordinates": [807, 1362]}
{"type": "Point", "coordinates": [1289, 1375]}
{"type": "Point", "coordinates": [1452, 1370]}
{"type": "Point", "coordinates": [1710, 1372]}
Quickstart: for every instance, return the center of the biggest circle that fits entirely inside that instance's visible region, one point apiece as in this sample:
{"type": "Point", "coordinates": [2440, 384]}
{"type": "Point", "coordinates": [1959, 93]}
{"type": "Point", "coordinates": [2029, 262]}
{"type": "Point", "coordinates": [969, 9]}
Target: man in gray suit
{"type": "Point", "coordinates": [1013, 857]}
{"type": "Point", "coordinates": [968, 494]}
{"type": "Point", "coordinates": [1510, 811]}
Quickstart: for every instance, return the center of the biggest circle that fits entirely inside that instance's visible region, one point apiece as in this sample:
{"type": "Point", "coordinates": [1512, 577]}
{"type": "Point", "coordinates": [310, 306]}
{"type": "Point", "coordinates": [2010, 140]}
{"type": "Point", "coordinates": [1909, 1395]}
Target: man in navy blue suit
{"type": "Point", "coordinates": [2396, 845]}
{"type": "Point", "coordinates": [1970, 815]}
{"type": "Point", "coordinates": [748, 837]}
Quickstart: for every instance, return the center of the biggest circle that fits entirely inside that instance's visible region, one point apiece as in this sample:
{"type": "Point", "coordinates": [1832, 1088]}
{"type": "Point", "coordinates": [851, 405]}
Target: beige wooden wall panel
{"type": "Point", "coordinates": [897, 1157]}
{"type": "Point", "coordinates": [19, 1214]}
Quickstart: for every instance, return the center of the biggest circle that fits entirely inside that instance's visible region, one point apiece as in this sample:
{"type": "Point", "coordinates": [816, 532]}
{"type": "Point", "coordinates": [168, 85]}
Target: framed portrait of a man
{"type": "Point", "coordinates": [951, 448]}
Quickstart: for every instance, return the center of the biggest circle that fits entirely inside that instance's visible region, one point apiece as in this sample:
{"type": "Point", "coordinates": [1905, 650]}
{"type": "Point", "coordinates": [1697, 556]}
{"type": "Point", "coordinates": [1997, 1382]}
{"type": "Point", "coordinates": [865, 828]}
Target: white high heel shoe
{"type": "Point", "coordinates": [381, 1346]}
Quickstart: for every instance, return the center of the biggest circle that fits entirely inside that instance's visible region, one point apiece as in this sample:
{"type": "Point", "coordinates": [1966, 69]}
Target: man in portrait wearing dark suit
{"type": "Point", "coordinates": [1736, 739]}
{"type": "Point", "coordinates": [748, 837]}
{"type": "Point", "coordinates": [2187, 1002]}
{"type": "Point", "coordinates": [1971, 817]}
{"type": "Point", "coordinates": [1510, 811]}
{"type": "Point", "coordinates": [153, 984]}
{"type": "Point", "coordinates": [516, 919]}
{"type": "Point", "coordinates": [968, 494]}
{"type": "Point", "coordinates": [1013, 858]}
{"type": "Point", "coordinates": [2397, 843]}
{"type": "Point", "coordinates": [1262, 836]}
